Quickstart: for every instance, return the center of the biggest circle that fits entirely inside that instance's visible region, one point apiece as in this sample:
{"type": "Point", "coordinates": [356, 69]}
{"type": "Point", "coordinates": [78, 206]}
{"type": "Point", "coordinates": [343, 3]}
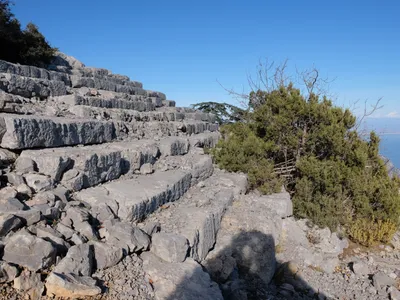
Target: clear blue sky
{"type": "Point", "coordinates": [183, 47]}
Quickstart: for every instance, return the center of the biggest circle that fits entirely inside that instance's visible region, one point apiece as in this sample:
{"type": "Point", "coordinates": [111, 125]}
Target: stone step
{"type": "Point", "coordinates": [40, 73]}
{"type": "Point", "coordinates": [134, 199]}
{"type": "Point", "coordinates": [30, 81]}
{"type": "Point", "coordinates": [105, 75]}
{"type": "Point", "coordinates": [159, 129]}
{"type": "Point", "coordinates": [10, 103]}
{"type": "Point", "coordinates": [33, 72]}
{"type": "Point", "coordinates": [87, 166]}
{"type": "Point", "coordinates": [76, 100]}
{"type": "Point", "coordinates": [169, 108]}
{"type": "Point", "coordinates": [26, 131]}
{"type": "Point", "coordinates": [110, 95]}
{"type": "Point", "coordinates": [130, 115]}
{"type": "Point", "coordinates": [197, 215]}
{"type": "Point", "coordinates": [78, 81]}
{"type": "Point", "coordinates": [31, 87]}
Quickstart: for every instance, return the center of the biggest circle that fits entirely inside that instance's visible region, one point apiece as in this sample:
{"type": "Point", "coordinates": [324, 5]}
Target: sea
{"type": "Point", "coordinates": [390, 148]}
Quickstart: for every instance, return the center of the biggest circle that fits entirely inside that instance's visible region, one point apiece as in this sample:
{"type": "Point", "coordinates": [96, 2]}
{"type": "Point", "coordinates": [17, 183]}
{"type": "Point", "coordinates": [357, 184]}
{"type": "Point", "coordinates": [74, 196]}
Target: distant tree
{"type": "Point", "coordinates": [225, 113]}
{"type": "Point", "coordinates": [27, 46]}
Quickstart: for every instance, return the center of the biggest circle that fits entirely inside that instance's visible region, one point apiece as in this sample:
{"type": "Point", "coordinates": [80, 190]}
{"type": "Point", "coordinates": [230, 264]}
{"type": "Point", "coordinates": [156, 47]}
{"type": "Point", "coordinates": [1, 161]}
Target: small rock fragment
{"type": "Point", "coordinates": [71, 285]}
{"type": "Point", "coordinates": [125, 235]}
{"type": "Point", "coordinates": [170, 247]}
{"type": "Point", "coordinates": [380, 280]}
{"type": "Point", "coordinates": [11, 205]}
{"type": "Point", "coordinates": [7, 272]}
{"type": "Point", "coordinates": [146, 169]}
{"type": "Point", "coordinates": [29, 217]}
{"type": "Point", "coordinates": [8, 192]}
{"type": "Point", "coordinates": [30, 283]}
{"type": "Point", "coordinates": [24, 189]}
{"type": "Point", "coordinates": [394, 293]}
{"type": "Point", "coordinates": [79, 260]}
{"type": "Point", "coordinates": [105, 255]}
{"type": "Point", "coordinates": [39, 182]}
{"type": "Point", "coordinates": [152, 227]}
{"type": "Point", "coordinates": [24, 165]}
{"type": "Point", "coordinates": [6, 157]}
{"type": "Point", "coordinates": [15, 179]}
{"type": "Point", "coordinates": [9, 223]}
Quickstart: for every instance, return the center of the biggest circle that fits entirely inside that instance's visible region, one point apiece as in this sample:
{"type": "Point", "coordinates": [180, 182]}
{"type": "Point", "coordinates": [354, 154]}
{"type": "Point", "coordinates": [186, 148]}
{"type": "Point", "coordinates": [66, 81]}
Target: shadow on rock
{"type": "Point", "coordinates": [244, 269]}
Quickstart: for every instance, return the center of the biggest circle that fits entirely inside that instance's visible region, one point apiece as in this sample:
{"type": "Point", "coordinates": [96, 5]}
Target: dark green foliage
{"type": "Point", "coordinates": [337, 178]}
{"type": "Point", "coordinates": [225, 113]}
{"type": "Point", "coordinates": [243, 151]}
{"type": "Point", "coordinates": [22, 46]}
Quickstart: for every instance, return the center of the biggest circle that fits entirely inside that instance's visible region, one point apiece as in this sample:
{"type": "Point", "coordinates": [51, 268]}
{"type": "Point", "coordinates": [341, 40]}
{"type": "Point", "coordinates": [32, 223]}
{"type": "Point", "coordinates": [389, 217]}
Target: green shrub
{"type": "Point", "coordinates": [338, 178]}
{"type": "Point", "coordinates": [367, 232]}
{"type": "Point", "coordinates": [240, 150]}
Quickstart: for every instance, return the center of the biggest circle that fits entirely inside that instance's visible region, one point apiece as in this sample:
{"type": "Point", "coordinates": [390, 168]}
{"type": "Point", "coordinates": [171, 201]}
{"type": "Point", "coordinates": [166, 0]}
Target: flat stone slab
{"type": "Point", "coordinates": [105, 162]}
{"type": "Point", "coordinates": [31, 87]}
{"type": "Point", "coordinates": [100, 102]}
{"type": "Point", "coordinates": [33, 72]}
{"type": "Point", "coordinates": [141, 114]}
{"type": "Point", "coordinates": [21, 131]}
{"type": "Point", "coordinates": [78, 81]}
{"type": "Point", "coordinates": [184, 280]}
{"type": "Point", "coordinates": [152, 129]}
{"type": "Point", "coordinates": [71, 286]}
{"type": "Point", "coordinates": [205, 139]}
{"type": "Point", "coordinates": [133, 199]}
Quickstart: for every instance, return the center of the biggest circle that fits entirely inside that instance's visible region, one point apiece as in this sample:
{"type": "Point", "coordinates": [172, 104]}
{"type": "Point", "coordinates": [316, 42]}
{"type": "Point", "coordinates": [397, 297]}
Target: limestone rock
{"type": "Point", "coordinates": [380, 280]}
{"type": "Point", "coordinates": [79, 260]}
{"type": "Point", "coordinates": [360, 268]}
{"type": "Point", "coordinates": [146, 169]}
{"type": "Point", "coordinates": [24, 165]}
{"type": "Point", "coordinates": [7, 272]}
{"type": "Point", "coordinates": [9, 223]}
{"type": "Point", "coordinates": [78, 218]}
{"type": "Point", "coordinates": [394, 293]}
{"type": "Point", "coordinates": [78, 239]}
{"type": "Point", "coordinates": [39, 182]}
{"type": "Point", "coordinates": [25, 190]}
{"type": "Point", "coordinates": [8, 192]}
{"type": "Point", "coordinates": [29, 217]}
{"type": "Point", "coordinates": [65, 230]}
{"type": "Point", "coordinates": [280, 203]}
{"type": "Point", "coordinates": [15, 179]}
{"type": "Point", "coordinates": [184, 280]}
{"type": "Point", "coordinates": [71, 286]}
{"type": "Point", "coordinates": [30, 283]}
{"type": "Point", "coordinates": [23, 131]}
{"type": "Point", "coordinates": [6, 157]}
{"type": "Point", "coordinates": [11, 205]}
{"type": "Point", "coordinates": [151, 227]}
{"type": "Point", "coordinates": [54, 237]}
{"type": "Point", "coordinates": [125, 236]}
{"type": "Point", "coordinates": [26, 250]}
{"type": "Point", "coordinates": [170, 247]}
{"type": "Point", "coordinates": [105, 255]}
{"type": "Point", "coordinates": [42, 198]}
